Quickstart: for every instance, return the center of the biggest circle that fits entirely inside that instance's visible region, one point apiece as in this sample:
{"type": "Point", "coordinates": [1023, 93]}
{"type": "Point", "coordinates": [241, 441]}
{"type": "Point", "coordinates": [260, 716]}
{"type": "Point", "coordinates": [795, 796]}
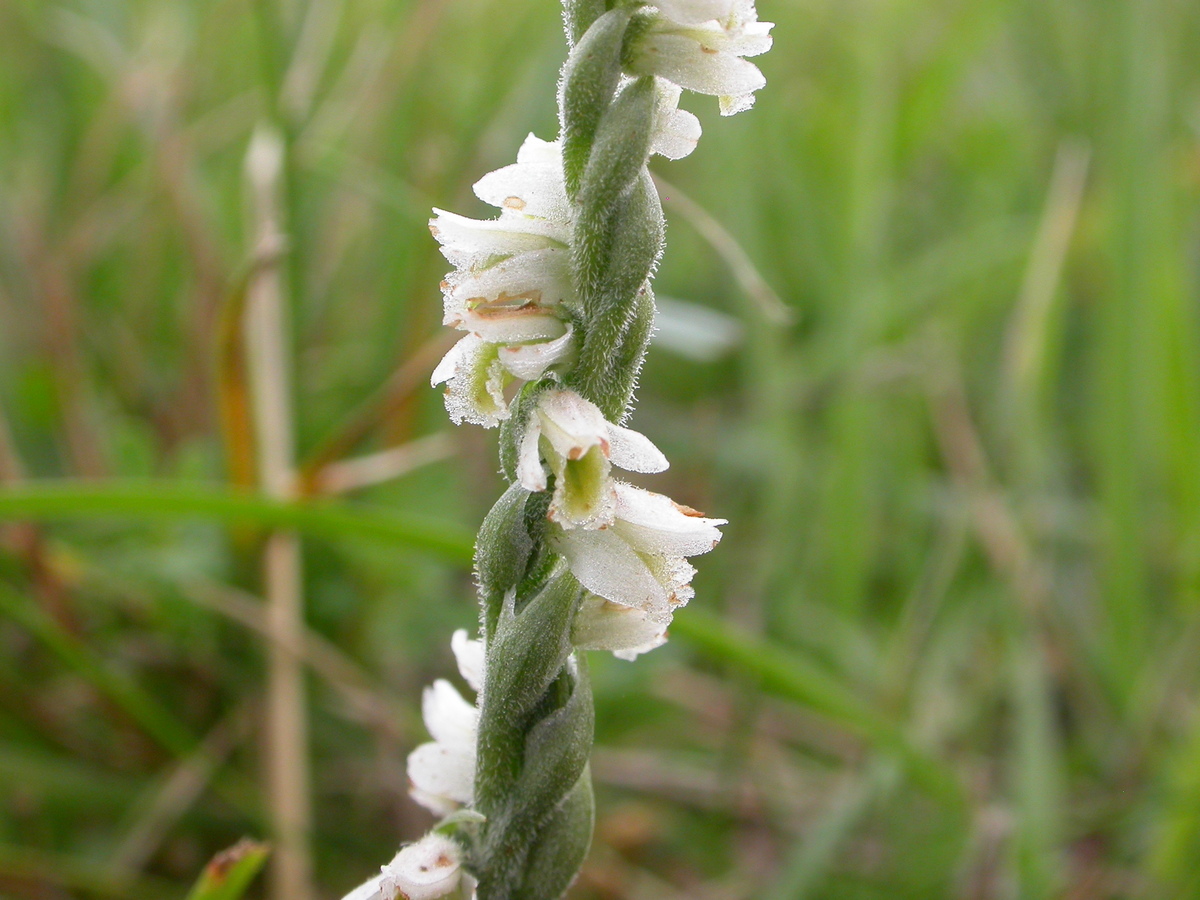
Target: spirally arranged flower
{"type": "Point", "coordinates": [701, 45]}
{"type": "Point", "coordinates": [511, 278]}
{"type": "Point", "coordinates": [441, 773]}
{"type": "Point", "coordinates": [636, 571]}
{"type": "Point", "coordinates": [579, 448]}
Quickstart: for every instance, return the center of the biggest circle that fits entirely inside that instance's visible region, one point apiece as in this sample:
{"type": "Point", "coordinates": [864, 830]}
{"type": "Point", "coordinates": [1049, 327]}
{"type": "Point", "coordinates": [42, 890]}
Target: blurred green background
{"type": "Point", "coordinates": [949, 404]}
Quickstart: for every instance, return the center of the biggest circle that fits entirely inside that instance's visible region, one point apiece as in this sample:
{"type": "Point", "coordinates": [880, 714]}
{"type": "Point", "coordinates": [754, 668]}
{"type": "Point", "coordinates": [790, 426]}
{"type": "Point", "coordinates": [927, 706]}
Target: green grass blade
{"type": "Point", "coordinates": [150, 500]}
{"type": "Point", "coordinates": [230, 872]}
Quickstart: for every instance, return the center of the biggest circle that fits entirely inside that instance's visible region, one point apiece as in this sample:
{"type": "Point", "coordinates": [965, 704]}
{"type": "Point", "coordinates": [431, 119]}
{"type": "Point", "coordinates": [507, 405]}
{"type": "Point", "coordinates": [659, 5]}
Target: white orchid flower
{"type": "Point", "coordinates": [475, 380]}
{"type": "Point", "coordinates": [580, 448]}
{"type": "Point", "coordinates": [430, 869]}
{"type": "Point", "coordinates": [512, 275]}
{"type": "Point", "coordinates": [702, 46]}
{"type": "Point", "coordinates": [442, 772]}
{"type": "Point", "coordinates": [641, 560]}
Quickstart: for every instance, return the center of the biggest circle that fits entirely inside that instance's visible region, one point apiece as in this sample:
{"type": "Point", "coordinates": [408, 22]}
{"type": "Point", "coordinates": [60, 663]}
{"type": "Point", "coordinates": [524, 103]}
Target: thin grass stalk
{"type": "Point", "coordinates": [270, 375]}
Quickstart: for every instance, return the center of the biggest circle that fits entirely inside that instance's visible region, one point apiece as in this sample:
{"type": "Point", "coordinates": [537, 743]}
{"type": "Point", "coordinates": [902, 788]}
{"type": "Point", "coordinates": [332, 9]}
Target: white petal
{"type": "Point", "coordinates": [751, 39]}
{"type": "Point", "coordinates": [606, 565]}
{"type": "Point", "coordinates": [441, 777]}
{"type": "Point", "coordinates": [634, 452]}
{"type": "Point", "coordinates": [530, 361]}
{"type": "Point", "coordinates": [368, 890]}
{"type": "Point", "coordinates": [469, 656]}
{"type": "Point", "coordinates": [506, 325]}
{"type": "Point", "coordinates": [653, 523]}
{"type": "Point", "coordinates": [532, 187]}
{"type": "Point", "coordinates": [450, 719]}
{"type": "Point", "coordinates": [426, 870]}
{"type": "Point", "coordinates": [626, 631]}
{"type": "Point", "coordinates": [530, 473]}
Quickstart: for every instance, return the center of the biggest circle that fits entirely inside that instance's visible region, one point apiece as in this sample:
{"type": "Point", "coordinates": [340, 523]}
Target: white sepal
{"type": "Point", "coordinates": [477, 243]}
{"type": "Point", "coordinates": [656, 524]}
{"type": "Point", "coordinates": [634, 452]}
{"type": "Point", "coordinates": [441, 773]}
{"type": "Point", "coordinates": [609, 567]}
{"type": "Point", "coordinates": [449, 718]}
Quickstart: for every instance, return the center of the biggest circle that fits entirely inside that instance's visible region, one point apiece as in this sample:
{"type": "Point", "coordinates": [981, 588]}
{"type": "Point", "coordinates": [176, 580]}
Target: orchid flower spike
{"type": "Point", "coordinates": [556, 291]}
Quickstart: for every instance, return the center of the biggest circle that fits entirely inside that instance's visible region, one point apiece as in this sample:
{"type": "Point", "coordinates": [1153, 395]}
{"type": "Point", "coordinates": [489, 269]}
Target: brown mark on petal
{"type": "Point", "coordinates": [506, 304]}
{"type": "Point", "coordinates": [507, 312]}
{"type": "Point", "coordinates": [514, 203]}
{"type": "Point", "coordinates": [445, 285]}
{"type": "Point", "coordinates": [709, 50]}
{"type": "Point", "coordinates": [433, 229]}
{"type": "Point", "coordinates": [688, 511]}
{"type": "Point", "coordinates": [444, 861]}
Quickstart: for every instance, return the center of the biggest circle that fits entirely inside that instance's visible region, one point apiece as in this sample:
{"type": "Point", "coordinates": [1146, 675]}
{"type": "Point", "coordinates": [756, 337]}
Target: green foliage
{"type": "Point", "coordinates": [230, 873]}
